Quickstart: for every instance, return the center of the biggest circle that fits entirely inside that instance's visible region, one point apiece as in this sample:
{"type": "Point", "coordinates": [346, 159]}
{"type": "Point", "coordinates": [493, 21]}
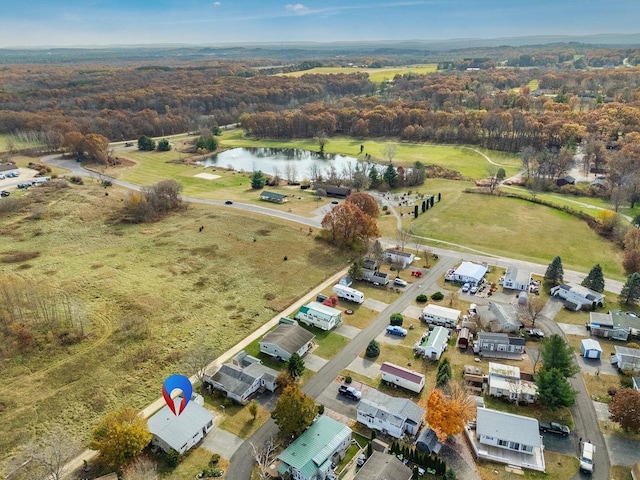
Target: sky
{"type": "Point", "coordinates": [48, 23]}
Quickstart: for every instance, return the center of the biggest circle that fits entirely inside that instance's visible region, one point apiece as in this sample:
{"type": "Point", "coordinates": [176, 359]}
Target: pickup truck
{"type": "Point", "coordinates": [349, 392]}
{"type": "Point", "coordinates": [554, 427]}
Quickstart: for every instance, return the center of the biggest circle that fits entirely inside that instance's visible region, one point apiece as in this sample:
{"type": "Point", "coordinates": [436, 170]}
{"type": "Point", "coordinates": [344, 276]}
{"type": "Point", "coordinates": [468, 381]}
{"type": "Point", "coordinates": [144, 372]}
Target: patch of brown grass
{"type": "Point", "coordinates": [15, 256]}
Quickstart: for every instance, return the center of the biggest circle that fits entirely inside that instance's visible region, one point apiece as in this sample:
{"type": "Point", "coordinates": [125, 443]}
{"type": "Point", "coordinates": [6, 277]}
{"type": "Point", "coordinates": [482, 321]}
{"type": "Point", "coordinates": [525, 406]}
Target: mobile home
{"type": "Point", "coordinates": [348, 293]}
{"type": "Point", "coordinates": [319, 315]}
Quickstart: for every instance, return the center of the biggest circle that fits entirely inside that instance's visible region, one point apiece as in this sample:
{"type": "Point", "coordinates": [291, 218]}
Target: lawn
{"type": "Point", "coordinates": [559, 467]}
{"type": "Point", "coordinates": [195, 461]}
{"type": "Point", "coordinates": [619, 472]}
{"type": "Point", "coordinates": [8, 140]}
{"type": "Point", "coordinates": [598, 385]}
{"type": "Point", "coordinates": [146, 295]}
{"type": "Point", "coordinates": [329, 343]}
{"type": "Point", "coordinates": [518, 229]}
{"type": "Point", "coordinates": [376, 75]}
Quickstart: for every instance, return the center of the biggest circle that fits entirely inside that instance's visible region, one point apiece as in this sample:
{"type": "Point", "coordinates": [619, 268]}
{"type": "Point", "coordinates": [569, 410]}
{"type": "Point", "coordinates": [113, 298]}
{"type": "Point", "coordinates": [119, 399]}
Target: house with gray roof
{"type": "Point", "coordinates": [310, 456]}
{"type": "Point", "coordinates": [499, 317]}
{"type": "Point", "coordinates": [242, 377]}
{"type": "Point", "coordinates": [627, 358]}
{"type": "Point", "coordinates": [516, 279]}
{"type": "Point", "coordinates": [383, 466]}
{"type": "Point", "coordinates": [499, 345]}
{"type": "Point", "coordinates": [507, 438]}
{"type": "Point", "coordinates": [180, 432]}
{"type": "Point", "coordinates": [399, 257]}
{"type": "Point", "coordinates": [469, 272]}
{"type": "Point", "coordinates": [390, 415]}
{"type": "Point", "coordinates": [615, 324]}
{"type": "Point", "coordinates": [285, 340]}
{"type": "Point", "coordinates": [576, 297]}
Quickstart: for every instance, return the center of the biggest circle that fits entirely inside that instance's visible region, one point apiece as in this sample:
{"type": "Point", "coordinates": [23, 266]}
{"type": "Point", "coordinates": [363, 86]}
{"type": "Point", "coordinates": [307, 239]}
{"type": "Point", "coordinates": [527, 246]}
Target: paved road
{"type": "Point", "coordinates": [240, 464]}
{"type": "Point", "coordinates": [584, 414]}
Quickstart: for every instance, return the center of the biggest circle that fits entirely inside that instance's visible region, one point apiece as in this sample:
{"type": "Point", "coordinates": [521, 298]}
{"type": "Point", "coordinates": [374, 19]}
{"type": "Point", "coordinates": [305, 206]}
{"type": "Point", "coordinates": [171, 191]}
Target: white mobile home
{"type": "Point", "coordinates": [433, 343]}
{"type": "Point", "coordinates": [516, 279]}
{"type": "Point", "coordinates": [398, 256]}
{"type": "Point", "coordinates": [285, 340]}
{"type": "Point", "coordinates": [627, 358]}
{"type": "Point", "coordinates": [319, 315]}
{"type": "Point", "coordinates": [437, 315]}
{"type": "Point", "coordinates": [180, 432]}
{"type": "Point", "coordinates": [390, 415]}
{"type": "Point", "coordinates": [577, 297]}
{"type": "Point", "coordinates": [469, 272]}
{"type": "Point", "coordinates": [402, 377]}
{"type": "Point", "coordinates": [348, 293]}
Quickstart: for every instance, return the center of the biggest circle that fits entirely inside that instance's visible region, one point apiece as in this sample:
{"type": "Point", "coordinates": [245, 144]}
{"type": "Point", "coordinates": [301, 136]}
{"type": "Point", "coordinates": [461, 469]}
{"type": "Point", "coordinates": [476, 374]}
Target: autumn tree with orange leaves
{"type": "Point", "coordinates": [365, 202]}
{"type": "Point", "coordinates": [348, 226]}
{"type": "Point", "coordinates": [448, 411]}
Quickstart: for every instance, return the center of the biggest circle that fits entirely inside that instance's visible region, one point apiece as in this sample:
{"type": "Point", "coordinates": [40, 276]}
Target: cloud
{"type": "Point", "coordinates": [216, 4]}
{"type": "Point", "coordinates": [297, 9]}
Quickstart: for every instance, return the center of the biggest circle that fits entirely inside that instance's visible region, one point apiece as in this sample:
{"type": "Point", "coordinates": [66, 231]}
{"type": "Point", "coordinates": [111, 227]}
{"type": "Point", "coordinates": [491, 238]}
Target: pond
{"type": "Point", "coordinates": [290, 164]}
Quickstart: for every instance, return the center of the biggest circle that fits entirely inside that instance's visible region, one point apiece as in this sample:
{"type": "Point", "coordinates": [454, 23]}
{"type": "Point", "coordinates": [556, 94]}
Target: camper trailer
{"type": "Point", "coordinates": [348, 293]}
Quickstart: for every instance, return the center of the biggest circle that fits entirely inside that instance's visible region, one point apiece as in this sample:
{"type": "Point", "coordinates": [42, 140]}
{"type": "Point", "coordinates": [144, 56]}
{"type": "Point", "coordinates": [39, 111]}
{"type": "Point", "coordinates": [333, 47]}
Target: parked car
{"type": "Point", "coordinates": [228, 202]}
{"type": "Point", "coordinates": [586, 458]}
{"type": "Point", "coordinates": [473, 290]}
{"type": "Point", "coordinates": [396, 330]}
{"type": "Point", "coordinates": [349, 392]}
{"type": "Point", "coordinates": [128, 144]}
{"type": "Point", "coordinates": [335, 202]}
{"type": "Point", "coordinates": [2, 176]}
{"type": "Point", "coordinates": [466, 287]}
{"type": "Point", "coordinates": [361, 459]}
{"type": "Point", "coordinates": [398, 282]}
{"type": "Point", "coordinates": [24, 185]}
{"type": "Point", "coordinates": [554, 427]}
{"type": "Point", "coordinates": [4, 193]}
{"type": "Point", "coordinates": [535, 333]}
{"type": "Point", "coordinates": [13, 174]}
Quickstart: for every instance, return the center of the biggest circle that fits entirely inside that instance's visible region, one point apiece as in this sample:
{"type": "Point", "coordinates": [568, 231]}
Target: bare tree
{"type": "Point", "coordinates": [197, 360]}
{"type": "Point", "coordinates": [50, 455]}
{"type": "Point", "coordinates": [275, 180]}
{"type": "Point", "coordinates": [263, 456]}
{"type": "Point", "coordinates": [141, 469]}
{"type": "Point", "coordinates": [389, 151]}
{"type": "Point", "coordinates": [535, 356]}
{"type": "Point", "coordinates": [492, 172]}
{"type": "Point", "coordinates": [532, 309]}
{"type": "Point", "coordinates": [404, 236]}
{"type": "Point", "coordinates": [315, 172]}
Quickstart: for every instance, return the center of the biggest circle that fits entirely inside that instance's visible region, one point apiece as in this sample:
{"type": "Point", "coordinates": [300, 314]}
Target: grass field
{"type": "Point", "coordinates": [515, 228]}
{"type": "Point", "coordinates": [7, 139]}
{"type": "Point", "coordinates": [619, 472]}
{"type": "Point", "coordinates": [559, 467]}
{"type": "Point", "coordinates": [376, 75]}
{"type": "Point", "coordinates": [148, 293]}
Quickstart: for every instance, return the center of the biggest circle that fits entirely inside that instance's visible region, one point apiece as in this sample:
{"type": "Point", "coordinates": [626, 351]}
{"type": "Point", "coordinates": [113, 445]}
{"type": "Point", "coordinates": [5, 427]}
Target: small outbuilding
{"type": "Point", "coordinates": [590, 348]}
{"type": "Point", "coordinates": [428, 442]}
{"type": "Point", "coordinates": [566, 180]}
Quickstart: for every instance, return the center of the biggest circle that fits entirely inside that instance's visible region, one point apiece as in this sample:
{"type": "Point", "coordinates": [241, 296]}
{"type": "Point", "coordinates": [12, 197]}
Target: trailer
{"type": "Point", "coordinates": [375, 277]}
{"type": "Point", "coordinates": [348, 293]}
{"type": "Point", "coordinates": [319, 315]}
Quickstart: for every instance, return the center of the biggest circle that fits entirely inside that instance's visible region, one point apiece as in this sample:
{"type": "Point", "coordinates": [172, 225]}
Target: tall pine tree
{"type": "Point", "coordinates": [555, 273]}
{"type": "Point", "coordinates": [595, 279]}
{"type": "Point", "coordinates": [630, 292]}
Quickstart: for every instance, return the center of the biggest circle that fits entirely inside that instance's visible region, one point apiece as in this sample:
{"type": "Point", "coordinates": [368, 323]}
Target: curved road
{"type": "Point", "coordinates": [240, 466]}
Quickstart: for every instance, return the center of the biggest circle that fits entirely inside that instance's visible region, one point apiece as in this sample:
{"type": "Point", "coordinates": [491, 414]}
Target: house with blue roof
{"type": "Point", "coordinates": [310, 456]}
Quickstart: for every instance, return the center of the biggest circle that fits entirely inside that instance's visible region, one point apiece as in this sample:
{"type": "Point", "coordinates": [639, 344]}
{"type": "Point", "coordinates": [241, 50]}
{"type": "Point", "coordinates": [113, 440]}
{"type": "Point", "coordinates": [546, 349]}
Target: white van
{"type": "Point", "coordinates": [586, 459]}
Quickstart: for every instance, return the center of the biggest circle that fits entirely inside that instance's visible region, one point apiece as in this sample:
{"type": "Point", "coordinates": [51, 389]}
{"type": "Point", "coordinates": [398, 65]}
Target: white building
{"type": "Point", "coordinates": [437, 315]}
{"type": "Point", "coordinates": [627, 359]}
{"type": "Point", "coordinates": [285, 340]}
{"type": "Point", "coordinates": [390, 415]}
{"type": "Point", "coordinates": [402, 377]}
{"type": "Point", "coordinates": [469, 272]}
{"type": "Point", "coordinates": [180, 432]}
{"type": "Point", "coordinates": [319, 315]}
{"type": "Point", "coordinates": [505, 381]}
{"type": "Point", "coordinates": [516, 279]}
{"type": "Point", "coordinates": [590, 348]}
{"type": "Point", "coordinates": [399, 257]}
{"type": "Point", "coordinates": [499, 317]}
{"type": "Point", "coordinates": [348, 293]}
{"type": "Point", "coordinates": [433, 343]}
{"type": "Point", "coordinates": [577, 297]}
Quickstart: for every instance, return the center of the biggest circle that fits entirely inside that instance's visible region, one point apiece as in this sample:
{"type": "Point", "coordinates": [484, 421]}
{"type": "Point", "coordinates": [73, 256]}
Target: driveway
{"type": "Point", "coordinates": [222, 442]}
{"type": "Point", "coordinates": [570, 329]}
{"type": "Point", "coordinates": [364, 366]}
{"type": "Point", "coordinates": [622, 451]}
{"type": "Point", "coordinates": [347, 331]}
{"type": "Point", "coordinates": [375, 305]}
{"type": "Point", "coordinates": [595, 366]}
{"type": "Point", "coordinates": [412, 312]}
{"type": "Point", "coordinates": [314, 362]}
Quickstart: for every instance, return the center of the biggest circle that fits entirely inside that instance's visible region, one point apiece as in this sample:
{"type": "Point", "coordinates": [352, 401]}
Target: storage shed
{"type": "Point", "coordinates": [590, 348]}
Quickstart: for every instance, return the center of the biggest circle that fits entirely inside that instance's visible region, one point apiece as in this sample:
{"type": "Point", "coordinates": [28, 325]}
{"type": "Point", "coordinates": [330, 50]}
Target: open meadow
{"type": "Point", "coordinates": [376, 75]}
{"type": "Point", "coordinates": [141, 298]}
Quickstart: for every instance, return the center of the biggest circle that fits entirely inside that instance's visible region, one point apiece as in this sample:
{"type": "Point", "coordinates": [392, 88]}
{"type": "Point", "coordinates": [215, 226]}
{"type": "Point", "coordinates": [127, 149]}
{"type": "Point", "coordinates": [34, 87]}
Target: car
{"type": "Point", "coordinates": [2, 176]}
{"type": "Point", "coordinates": [349, 392]}
{"type": "Point", "coordinates": [554, 427]}
{"type": "Point", "coordinates": [12, 174]}
{"type": "Point", "coordinates": [228, 202]}
{"type": "Point", "coordinates": [128, 144]}
{"type": "Point", "coordinates": [24, 185]}
{"type": "Point", "coordinates": [473, 290]}
{"type": "Point", "coordinates": [535, 333]}
{"type": "Point", "coordinates": [4, 193]}
{"type": "Point", "coordinates": [398, 282]}
{"type": "Point", "coordinates": [587, 456]}
{"type": "Point", "coordinates": [466, 287]}
{"type": "Point", "coordinates": [396, 330]}
{"type": "Point", "coordinates": [361, 459]}
{"type": "Point", "coordinates": [335, 202]}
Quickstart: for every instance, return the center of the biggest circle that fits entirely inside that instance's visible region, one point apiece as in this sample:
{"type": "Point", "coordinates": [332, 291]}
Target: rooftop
{"type": "Point", "coordinates": [382, 466]}
{"type": "Point", "coordinates": [402, 372]}
{"type": "Point", "coordinates": [472, 270]}
{"type": "Point", "coordinates": [518, 275]}
{"type": "Point", "coordinates": [178, 430]}
{"type": "Point", "coordinates": [508, 426]}
{"type": "Point", "coordinates": [375, 401]}
{"type": "Point", "coordinates": [440, 311]}
{"type": "Point", "coordinates": [436, 339]}
{"type": "Point", "coordinates": [290, 338]}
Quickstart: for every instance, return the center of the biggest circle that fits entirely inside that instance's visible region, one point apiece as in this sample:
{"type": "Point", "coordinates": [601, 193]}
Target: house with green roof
{"type": "Point", "coordinates": [273, 197]}
{"type": "Point", "coordinates": [310, 456]}
{"type": "Point", "coordinates": [319, 315]}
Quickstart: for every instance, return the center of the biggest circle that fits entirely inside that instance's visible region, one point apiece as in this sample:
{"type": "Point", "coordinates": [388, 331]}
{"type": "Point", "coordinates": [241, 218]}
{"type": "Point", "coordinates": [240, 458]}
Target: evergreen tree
{"type": "Point", "coordinates": [295, 366]}
{"type": "Point", "coordinates": [556, 353]}
{"type": "Point", "coordinates": [146, 144]}
{"type": "Point", "coordinates": [258, 180]}
{"type": "Point", "coordinates": [555, 273]}
{"type": "Point", "coordinates": [554, 389]}
{"type": "Point", "coordinates": [390, 176]}
{"type": "Point", "coordinates": [630, 292]}
{"type": "Point", "coordinates": [595, 279]}
{"type": "Point", "coordinates": [374, 178]}
{"type": "Point", "coordinates": [164, 145]}
{"type": "Point", "coordinates": [444, 373]}
{"type": "Point", "coordinates": [355, 270]}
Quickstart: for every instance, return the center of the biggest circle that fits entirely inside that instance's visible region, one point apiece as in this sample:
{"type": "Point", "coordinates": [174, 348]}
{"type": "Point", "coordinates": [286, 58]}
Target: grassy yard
{"type": "Point", "coordinates": [148, 294]}
{"type": "Point", "coordinates": [7, 140]}
{"type": "Point", "coordinates": [559, 467]}
{"type": "Point", "coordinates": [505, 226]}
{"type": "Point", "coordinates": [619, 472]}
{"type": "Point", "coordinates": [376, 75]}
{"type": "Point", "coordinates": [191, 465]}
{"type": "Point", "coordinates": [329, 343]}
{"type": "Point", "coordinates": [598, 385]}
